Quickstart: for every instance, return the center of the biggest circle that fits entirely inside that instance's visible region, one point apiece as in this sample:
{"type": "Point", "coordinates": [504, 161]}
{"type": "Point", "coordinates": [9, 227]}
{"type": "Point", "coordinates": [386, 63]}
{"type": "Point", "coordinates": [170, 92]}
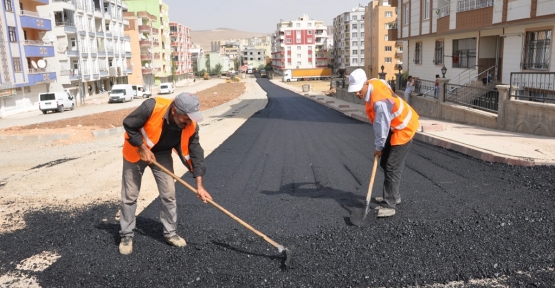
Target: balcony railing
{"type": "Point", "coordinates": [444, 11]}
{"type": "Point", "coordinates": [38, 43]}
{"type": "Point", "coordinates": [467, 5]}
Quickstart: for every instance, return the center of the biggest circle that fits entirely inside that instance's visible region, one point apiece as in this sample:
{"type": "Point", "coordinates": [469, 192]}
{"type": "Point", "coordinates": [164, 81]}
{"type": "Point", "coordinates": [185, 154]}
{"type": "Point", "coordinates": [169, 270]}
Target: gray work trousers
{"type": "Point", "coordinates": [132, 175]}
{"type": "Point", "coordinates": [393, 161]}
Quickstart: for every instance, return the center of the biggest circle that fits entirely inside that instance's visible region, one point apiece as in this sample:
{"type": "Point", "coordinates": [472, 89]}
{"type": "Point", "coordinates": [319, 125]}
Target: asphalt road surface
{"type": "Point", "coordinates": [294, 171]}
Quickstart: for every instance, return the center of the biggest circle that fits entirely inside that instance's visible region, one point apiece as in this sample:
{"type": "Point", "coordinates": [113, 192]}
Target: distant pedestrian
{"type": "Point", "coordinates": [409, 89]}
{"type": "Point", "coordinates": [436, 93]}
{"type": "Point", "coordinates": [102, 89]}
{"type": "Point", "coordinates": [395, 123]}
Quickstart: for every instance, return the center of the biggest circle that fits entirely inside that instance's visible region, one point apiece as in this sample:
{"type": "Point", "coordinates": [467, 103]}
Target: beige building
{"type": "Point", "coordinates": [380, 17]}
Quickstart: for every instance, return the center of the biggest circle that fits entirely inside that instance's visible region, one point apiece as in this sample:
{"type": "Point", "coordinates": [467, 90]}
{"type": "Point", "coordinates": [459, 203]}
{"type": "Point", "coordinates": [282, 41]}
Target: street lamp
{"type": "Point", "coordinates": [443, 70]}
{"type": "Point", "coordinates": [382, 68]}
{"type": "Point", "coordinates": [399, 67]}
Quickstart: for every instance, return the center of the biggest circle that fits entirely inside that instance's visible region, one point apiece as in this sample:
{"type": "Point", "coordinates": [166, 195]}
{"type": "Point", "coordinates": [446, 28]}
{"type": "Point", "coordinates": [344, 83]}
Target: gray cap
{"type": "Point", "coordinates": [187, 103]}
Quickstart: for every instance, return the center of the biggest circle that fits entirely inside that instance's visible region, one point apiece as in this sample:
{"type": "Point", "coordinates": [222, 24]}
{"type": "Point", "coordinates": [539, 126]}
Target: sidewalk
{"type": "Point", "coordinates": [482, 143]}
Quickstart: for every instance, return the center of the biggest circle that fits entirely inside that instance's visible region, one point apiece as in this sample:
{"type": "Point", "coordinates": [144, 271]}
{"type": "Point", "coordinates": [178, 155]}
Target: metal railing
{"type": "Point", "coordinates": [444, 11]}
{"type": "Point", "coordinates": [38, 43]}
{"type": "Point", "coordinates": [533, 86]}
{"type": "Point", "coordinates": [475, 97]}
{"type": "Point", "coordinates": [467, 5]}
{"type": "Point", "coordinates": [31, 13]}
{"type": "Point", "coordinates": [465, 76]}
{"type": "Point", "coordinates": [425, 88]}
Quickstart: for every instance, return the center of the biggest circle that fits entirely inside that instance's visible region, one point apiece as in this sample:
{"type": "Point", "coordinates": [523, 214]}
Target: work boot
{"type": "Point", "coordinates": [176, 241]}
{"type": "Point", "coordinates": [126, 245]}
{"type": "Point", "coordinates": [382, 201]}
{"type": "Point", "coordinates": [386, 212]}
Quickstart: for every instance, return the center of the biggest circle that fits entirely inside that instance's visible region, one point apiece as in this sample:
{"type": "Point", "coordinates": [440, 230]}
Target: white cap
{"type": "Point", "coordinates": [356, 80]}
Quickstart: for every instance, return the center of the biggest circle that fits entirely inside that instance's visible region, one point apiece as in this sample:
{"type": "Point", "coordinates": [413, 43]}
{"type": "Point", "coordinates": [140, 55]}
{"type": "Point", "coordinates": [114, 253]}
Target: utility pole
{"type": "Point", "coordinates": [79, 65]}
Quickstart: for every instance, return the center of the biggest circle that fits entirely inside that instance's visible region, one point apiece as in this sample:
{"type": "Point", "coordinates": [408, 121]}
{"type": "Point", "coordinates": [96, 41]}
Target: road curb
{"type": "Point", "coordinates": [108, 132]}
{"type": "Point", "coordinates": [49, 137]}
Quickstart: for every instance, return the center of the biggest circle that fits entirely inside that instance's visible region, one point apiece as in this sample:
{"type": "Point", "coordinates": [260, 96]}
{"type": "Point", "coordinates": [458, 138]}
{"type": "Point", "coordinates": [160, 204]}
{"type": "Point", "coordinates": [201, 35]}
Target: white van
{"type": "Point", "coordinates": [121, 93]}
{"type": "Point", "coordinates": [166, 88]}
{"type": "Point", "coordinates": [141, 91]}
{"type": "Point", "coordinates": [55, 101]}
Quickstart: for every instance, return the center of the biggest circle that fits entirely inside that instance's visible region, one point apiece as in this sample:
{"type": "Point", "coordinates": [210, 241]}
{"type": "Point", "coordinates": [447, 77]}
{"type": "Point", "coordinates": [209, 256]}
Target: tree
{"type": "Point", "coordinates": [218, 69]}
{"type": "Point", "coordinates": [208, 64]}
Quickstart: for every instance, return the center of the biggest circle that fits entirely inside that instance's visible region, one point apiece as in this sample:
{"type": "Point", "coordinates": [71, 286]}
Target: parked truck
{"type": "Point", "coordinates": [306, 74]}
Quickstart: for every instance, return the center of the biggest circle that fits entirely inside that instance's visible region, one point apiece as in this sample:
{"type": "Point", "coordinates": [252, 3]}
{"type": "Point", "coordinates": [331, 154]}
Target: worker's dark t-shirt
{"type": "Point", "coordinates": [169, 139]}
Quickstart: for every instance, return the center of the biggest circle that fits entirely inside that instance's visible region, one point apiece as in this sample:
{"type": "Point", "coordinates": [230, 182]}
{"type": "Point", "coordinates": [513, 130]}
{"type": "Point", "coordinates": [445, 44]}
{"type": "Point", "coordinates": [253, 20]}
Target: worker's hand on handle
{"type": "Point", "coordinates": [201, 192]}
{"type": "Point", "coordinates": [146, 154]}
{"type": "Point", "coordinates": [378, 153]}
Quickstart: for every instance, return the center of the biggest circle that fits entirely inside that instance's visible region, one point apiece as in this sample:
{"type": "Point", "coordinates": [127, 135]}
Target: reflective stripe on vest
{"type": "Point", "coordinates": [404, 120]}
{"type": "Point", "coordinates": [152, 130]}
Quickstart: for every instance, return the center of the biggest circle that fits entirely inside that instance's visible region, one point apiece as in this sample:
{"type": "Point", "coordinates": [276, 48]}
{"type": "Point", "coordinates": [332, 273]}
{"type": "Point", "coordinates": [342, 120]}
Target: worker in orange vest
{"type": "Point", "coordinates": [152, 131]}
{"type": "Point", "coordinates": [395, 122]}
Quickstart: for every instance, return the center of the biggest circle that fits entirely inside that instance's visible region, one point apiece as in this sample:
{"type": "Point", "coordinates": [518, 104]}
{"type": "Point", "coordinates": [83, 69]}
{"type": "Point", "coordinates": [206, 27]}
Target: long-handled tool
{"type": "Point", "coordinates": [284, 251]}
{"type": "Point", "coordinates": [358, 215]}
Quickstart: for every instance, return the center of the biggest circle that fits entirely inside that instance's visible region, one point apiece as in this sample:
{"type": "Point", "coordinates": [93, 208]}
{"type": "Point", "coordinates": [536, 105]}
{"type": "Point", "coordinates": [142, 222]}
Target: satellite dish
{"type": "Point", "coordinates": [147, 65]}
{"type": "Point", "coordinates": [149, 50]}
{"type": "Point", "coordinates": [41, 63]}
{"type": "Point", "coordinates": [34, 64]}
{"type": "Point", "coordinates": [143, 37]}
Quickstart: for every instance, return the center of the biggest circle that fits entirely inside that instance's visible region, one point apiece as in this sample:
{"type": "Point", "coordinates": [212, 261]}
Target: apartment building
{"type": "Point", "coordinates": [158, 40]}
{"type": "Point", "coordinates": [297, 44]}
{"type": "Point", "coordinates": [181, 54]}
{"type": "Point", "coordinates": [380, 17]}
{"type": "Point", "coordinates": [476, 37]}
{"type": "Point", "coordinates": [92, 50]}
{"type": "Point", "coordinates": [349, 39]}
{"type": "Point", "coordinates": [139, 32]}
{"type": "Point", "coordinates": [253, 57]}
{"type": "Point", "coordinates": [26, 55]}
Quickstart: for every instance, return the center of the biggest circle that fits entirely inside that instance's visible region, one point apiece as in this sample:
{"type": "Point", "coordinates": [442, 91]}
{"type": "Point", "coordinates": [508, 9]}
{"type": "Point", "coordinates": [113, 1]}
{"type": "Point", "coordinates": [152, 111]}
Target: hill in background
{"type": "Point", "coordinates": [205, 37]}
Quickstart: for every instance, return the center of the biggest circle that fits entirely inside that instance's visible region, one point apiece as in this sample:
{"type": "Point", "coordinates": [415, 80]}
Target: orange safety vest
{"type": "Point", "coordinates": [152, 131]}
{"type": "Point", "coordinates": [404, 122]}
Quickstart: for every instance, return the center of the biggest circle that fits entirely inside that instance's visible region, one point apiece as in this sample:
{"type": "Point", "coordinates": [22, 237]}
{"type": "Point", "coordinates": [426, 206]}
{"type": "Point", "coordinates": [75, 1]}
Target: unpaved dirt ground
{"type": "Point", "coordinates": [317, 86]}
{"type": "Point", "coordinates": [76, 171]}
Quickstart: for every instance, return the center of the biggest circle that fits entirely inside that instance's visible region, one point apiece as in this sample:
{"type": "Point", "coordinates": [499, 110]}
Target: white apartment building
{"type": "Point", "coordinates": [298, 44]}
{"type": "Point", "coordinates": [90, 44]}
{"type": "Point", "coordinates": [348, 35]}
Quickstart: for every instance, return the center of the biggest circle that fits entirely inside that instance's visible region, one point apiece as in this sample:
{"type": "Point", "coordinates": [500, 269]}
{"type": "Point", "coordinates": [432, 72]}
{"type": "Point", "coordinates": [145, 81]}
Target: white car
{"type": "Point", "coordinates": [166, 88]}
{"type": "Point", "coordinates": [121, 93]}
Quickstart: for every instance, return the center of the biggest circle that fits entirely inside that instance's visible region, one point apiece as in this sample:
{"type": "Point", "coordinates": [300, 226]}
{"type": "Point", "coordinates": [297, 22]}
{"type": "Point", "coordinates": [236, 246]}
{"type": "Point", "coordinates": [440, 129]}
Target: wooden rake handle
{"type": "Point", "coordinates": [245, 224]}
{"type": "Point", "coordinates": [369, 194]}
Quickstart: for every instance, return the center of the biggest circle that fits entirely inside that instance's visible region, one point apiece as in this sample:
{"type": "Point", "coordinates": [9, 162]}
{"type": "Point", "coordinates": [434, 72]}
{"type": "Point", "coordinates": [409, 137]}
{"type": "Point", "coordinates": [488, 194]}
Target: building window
{"type": "Point", "coordinates": [537, 50]}
{"type": "Point", "coordinates": [308, 24]}
{"type": "Point", "coordinates": [309, 32]}
{"type": "Point", "coordinates": [388, 14]}
{"type": "Point", "coordinates": [299, 56]}
{"type": "Point", "coordinates": [298, 63]}
{"type": "Point", "coordinates": [361, 51]}
{"type": "Point", "coordinates": [16, 64]}
{"type": "Point", "coordinates": [355, 35]}
{"type": "Point", "coordinates": [388, 48]}
{"type": "Point", "coordinates": [288, 40]}
{"type": "Point", "coordinates": [361, 43]}
{"type": "Point", "coordinates": [418, 53]}
{"type": "Point", "coordinates": [355, 52]}
{"type": "Point", "coordinates": [11, 34]}
{"type": "Point", "coordinates": [464, 53]}
{"type": "Point", "coordinates": [355, 60]}
{"type": "Point", "coordinates": [387, 59]}
{"type": "Point", "coordinates": [298, 48]}
{"type": "Point", "coordinates": [438, 53]}
{"type": "Point", "coordinates": [354, 17]}
{"type": "Point", "coordinates": [8, 5]}
{"type": "Point", "coordinates": [298, 25]}
{"type": "Point", "coordinates": [426, 9]}
{"type": "Point", "coordinates": [355, 43]}
{"type": "Point", "coordinates": [361, 34]}
{"type": "Point", "coordinates": [387, 26]}
{"type": "Point", "coordinates": [354, 26]}
{"type": "Point", "coordinates": [406, 14]}
{"type": "Point", "coordinates": [288, 32]}
{"type": "Point", "coordinates": [386, 38]}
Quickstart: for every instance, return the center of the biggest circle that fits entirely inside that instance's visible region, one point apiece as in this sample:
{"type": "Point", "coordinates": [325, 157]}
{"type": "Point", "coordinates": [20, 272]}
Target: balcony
{"type": "Point", "coordinates": [39, 76]}
{"type": "Point", "coordinates": [33, 20]}
{"type": "Point", "coordinates": [145, 43]}
{"type": "Point", "coordinates": [38, 50]}
{"type": "Point", "coordinates": [146, 70]}
{"type": "Point", "coordinates": [144, 29]}
{"type": "Point", "coordinates": [157, 56]}
{"type": "Point", "coordinates": [155, 31]}
{"type": "Point", "coordinates": [398, 43]}
{"type": "Point", "coordinates": [399, 54]}
{"type": "Point", "coordinates": [155, 43]}
{"type": "Point", "coordinates": [145, 15]}
{"type": "Point", "coordinates": [394, 3]}
{"type": "Point", "coordinates": [392, 34]}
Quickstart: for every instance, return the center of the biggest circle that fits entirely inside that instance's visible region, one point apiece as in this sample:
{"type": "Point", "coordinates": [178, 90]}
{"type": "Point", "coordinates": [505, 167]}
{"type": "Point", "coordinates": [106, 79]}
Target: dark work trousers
{"type": "Point", "coordinates": [392, 162]}
{"type": "Point", "coordinates": [131, 185]}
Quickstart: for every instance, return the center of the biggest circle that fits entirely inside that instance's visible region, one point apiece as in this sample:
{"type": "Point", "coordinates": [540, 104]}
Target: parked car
{"type": "Point", "coordinates": [55, 101]}
{"type": "Point", "coordinates": [121, 93]}
{"type": "Point", "coordinates": [141, 91]}
{"type": "Point", "coordinates": [166, 88]}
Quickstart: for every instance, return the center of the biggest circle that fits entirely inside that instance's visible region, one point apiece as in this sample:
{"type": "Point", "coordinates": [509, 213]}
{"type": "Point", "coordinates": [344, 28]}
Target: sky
{"type": "Point", "coordinates": [259, 16]}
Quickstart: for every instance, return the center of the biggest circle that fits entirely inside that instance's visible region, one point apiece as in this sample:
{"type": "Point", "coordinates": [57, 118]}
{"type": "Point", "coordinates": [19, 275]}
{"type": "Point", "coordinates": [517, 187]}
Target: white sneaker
{"type": "Point", "coordinates": [386, 212]}
{"type": "Point", "coordinates": [176, 241]}
{"type": "Point", "coordinates": [126, 245]}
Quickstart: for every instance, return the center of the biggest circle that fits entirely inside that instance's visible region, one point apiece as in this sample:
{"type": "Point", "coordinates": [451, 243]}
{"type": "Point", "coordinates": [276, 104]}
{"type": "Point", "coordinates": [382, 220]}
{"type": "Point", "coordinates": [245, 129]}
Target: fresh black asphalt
{"type": "Point", "coordinates": [295, 171]}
